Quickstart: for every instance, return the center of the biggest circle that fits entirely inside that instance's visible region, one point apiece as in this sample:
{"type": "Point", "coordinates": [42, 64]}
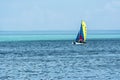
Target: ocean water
{"type": "Point", "coordinates": [98, 59]}
{"type": "Point", "coordinates": [56, 35]}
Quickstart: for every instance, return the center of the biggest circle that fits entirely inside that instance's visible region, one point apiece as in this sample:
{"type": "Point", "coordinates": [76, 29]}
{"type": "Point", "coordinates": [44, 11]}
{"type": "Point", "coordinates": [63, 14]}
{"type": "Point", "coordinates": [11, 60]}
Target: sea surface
{"type": "Point", "coordinates": [98, 59]}
{"type": "Point", "coordinates": [56, 35]}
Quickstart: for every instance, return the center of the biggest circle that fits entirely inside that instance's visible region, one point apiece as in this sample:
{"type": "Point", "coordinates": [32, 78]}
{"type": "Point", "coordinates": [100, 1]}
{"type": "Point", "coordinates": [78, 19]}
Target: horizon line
{"type": "Point", "coordinates": [52, 30]}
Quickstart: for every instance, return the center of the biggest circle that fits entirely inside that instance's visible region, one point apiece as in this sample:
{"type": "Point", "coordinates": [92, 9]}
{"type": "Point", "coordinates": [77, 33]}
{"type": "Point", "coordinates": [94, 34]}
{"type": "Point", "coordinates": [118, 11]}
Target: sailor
{"type": "Point", "coordinates": [73, 42]}
{"type": "Point", "coordinates": [81, 41]}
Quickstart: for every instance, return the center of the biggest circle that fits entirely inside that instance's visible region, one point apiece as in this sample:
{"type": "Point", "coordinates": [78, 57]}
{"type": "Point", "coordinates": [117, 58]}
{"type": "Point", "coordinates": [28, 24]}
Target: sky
{"type": "Point", "coordinates": [59, 15]}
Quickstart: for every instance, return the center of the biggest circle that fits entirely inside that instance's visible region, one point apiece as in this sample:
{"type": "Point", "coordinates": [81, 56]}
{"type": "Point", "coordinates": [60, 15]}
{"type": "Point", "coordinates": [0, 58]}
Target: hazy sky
{"type": "Point", "coordinates": [32, 15]}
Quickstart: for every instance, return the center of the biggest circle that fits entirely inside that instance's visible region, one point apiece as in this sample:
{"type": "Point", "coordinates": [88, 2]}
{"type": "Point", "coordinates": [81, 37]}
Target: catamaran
{"type": "Point", "coordinates": [82, 34]}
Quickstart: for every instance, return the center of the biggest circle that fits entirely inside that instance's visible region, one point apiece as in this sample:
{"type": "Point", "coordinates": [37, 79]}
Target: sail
{"type": "Point", "coordinates": [82, 34]}
{"type": "Point", "coordinates": [77, 38]}
{"type": "Point", "coordinates": [84, 29]}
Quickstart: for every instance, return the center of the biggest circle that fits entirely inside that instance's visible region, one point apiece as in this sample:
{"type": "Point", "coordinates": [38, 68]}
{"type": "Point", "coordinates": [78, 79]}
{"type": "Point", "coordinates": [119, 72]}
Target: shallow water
{"type": "Point", "coordinates": [60, 60]}
{"type": "Point", "coordinates": [20, 37]}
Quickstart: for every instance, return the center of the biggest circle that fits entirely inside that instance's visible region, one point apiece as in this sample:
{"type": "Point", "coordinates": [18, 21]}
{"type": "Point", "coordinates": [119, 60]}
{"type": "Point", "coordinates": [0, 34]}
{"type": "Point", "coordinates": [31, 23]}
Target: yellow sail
{"type": "Point", "coordinates": [84, 27]}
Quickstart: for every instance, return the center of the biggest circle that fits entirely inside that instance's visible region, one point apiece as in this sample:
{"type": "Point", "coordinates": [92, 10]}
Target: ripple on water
{"type": "Point", "coordinates": [54, 60]}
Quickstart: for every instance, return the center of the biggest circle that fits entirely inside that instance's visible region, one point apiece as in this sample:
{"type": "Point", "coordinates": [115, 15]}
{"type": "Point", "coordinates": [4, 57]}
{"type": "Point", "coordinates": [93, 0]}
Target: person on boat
{"type": "Point", "coordinates": [73, 42]}
{"type": "Point", "coordinates": [80, 41]}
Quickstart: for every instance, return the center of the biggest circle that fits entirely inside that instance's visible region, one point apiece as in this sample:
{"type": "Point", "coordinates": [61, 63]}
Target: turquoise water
{"type": "Point", "coordinates": [35, 37]}
{"type": "Point", "coordinates": [52, 37]}
{"type": "Point", "coordinates": [55, 35]}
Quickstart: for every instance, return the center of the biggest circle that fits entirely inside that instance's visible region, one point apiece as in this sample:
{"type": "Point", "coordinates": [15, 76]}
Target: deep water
{"type": "Point", "coordinates": [60, 60]}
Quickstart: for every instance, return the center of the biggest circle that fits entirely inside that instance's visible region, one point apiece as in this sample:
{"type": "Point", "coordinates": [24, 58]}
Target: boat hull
{"type": "Point", "coordinates": [78, 43]}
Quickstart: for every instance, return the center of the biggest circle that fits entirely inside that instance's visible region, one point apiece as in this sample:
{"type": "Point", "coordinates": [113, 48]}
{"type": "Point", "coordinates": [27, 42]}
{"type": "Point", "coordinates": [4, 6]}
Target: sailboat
{"type": "Point", "coordinates": [82, 34]}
